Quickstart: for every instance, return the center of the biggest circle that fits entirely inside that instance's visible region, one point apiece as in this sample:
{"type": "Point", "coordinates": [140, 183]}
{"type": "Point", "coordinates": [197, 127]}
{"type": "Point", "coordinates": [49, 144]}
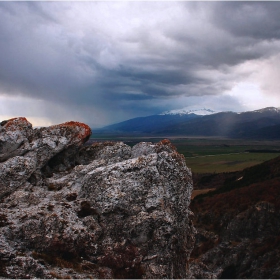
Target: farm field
{"type": "Point", "coordinates": [211, 155]}
{"type": "Point", "coordinates": [226, 162]}
{"type": "Point", "coordinates": [225, 155]}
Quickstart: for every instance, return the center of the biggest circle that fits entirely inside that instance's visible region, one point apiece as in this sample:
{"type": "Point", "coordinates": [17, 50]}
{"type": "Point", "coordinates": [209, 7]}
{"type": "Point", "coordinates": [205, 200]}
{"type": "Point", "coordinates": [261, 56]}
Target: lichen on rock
{"type": "Point", "coordinates": [104, 210]}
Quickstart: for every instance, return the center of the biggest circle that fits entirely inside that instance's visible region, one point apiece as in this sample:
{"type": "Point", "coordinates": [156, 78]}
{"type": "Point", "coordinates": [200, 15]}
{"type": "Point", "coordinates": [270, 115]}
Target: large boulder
{"type": "Point", "coordinates": [105, 210]}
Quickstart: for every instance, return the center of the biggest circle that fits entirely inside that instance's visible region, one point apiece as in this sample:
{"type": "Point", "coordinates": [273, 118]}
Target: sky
{"type": "Point", "coordinates": [105, 62]}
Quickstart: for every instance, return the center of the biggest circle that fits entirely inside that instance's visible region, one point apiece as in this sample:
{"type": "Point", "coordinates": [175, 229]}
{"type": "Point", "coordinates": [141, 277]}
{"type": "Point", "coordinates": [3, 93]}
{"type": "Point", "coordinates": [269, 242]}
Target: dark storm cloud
{"type": "Point", "coordinates": [29, 63]}
{"type": "Point", "coordinates": [130, 57]}
{"type": "Point", "coordinates": [134, 84]}
{"type": "Point", "coordinates": [161, 76]}
{"type": "Point", "coordinates": [258, 20]}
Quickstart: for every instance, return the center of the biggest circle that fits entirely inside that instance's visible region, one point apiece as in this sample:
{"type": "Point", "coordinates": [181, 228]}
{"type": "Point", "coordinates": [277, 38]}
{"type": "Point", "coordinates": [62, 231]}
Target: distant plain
{"type": "Point", "coordinates": [208, 154]}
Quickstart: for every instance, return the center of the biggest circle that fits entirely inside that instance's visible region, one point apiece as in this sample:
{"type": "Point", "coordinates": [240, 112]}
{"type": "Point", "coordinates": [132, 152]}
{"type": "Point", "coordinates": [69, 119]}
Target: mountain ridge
{"type": "Point", "coordinates": [186, 111]}
{"type": "Point", "coordinates": [261, 124]}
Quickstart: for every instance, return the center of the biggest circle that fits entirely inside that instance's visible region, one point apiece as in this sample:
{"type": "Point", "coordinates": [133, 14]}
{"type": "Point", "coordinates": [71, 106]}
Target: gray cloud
{"type": "Point", "coordinates": [125, 59]}
{"type": "Point", "coordinates": [257, 20]}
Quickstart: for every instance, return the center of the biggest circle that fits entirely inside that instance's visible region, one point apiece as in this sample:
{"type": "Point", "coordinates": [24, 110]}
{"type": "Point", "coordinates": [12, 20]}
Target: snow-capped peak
{"type": "Point", "coordinates": [268, 109]}
{"type": "Point", "coordinates": [263, 110]}
{"type": "Point", "coordinates": [188, 110]}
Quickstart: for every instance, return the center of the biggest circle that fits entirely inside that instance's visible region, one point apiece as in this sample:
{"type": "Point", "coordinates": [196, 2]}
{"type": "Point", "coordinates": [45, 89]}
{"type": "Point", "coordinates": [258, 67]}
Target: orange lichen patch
{"type": "Point", "coordinates": [16, 123]}
{"type": "Point", "coordinates": [73, 124]}
{"type": "Point", "coordinates": [167, 143]}
{"type": "Point", "coordinates": [84, 130]}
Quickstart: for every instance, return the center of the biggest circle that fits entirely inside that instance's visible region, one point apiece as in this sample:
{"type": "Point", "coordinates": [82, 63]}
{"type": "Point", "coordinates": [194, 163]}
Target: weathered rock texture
{"type": "Point", "coordinates": [100, 211]}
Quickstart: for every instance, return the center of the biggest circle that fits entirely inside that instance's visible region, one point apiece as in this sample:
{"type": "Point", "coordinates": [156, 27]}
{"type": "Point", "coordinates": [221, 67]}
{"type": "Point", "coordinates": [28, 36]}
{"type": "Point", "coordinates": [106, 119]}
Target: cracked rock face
{"type": "Point", "coordinates": [100, 211]}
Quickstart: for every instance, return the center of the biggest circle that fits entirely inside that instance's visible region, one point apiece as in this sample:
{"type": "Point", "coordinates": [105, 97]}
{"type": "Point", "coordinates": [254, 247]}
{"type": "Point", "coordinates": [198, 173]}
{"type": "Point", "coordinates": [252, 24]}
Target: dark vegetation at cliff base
{"type": "Point", "coordinates": [238, 226]}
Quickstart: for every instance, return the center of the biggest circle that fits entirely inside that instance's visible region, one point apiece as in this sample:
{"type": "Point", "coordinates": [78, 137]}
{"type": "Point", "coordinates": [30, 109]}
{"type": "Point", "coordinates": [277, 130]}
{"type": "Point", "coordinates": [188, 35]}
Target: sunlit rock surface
{"type": "Point", "coordinates": [107, 210]}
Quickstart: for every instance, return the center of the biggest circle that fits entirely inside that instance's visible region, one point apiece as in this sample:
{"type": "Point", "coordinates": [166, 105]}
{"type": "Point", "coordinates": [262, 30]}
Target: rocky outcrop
{"type": "Point", "coordinates": [101, 211]}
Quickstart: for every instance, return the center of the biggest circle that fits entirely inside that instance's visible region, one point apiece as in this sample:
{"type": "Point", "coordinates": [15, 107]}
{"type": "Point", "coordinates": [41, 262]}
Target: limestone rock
{"type": "Point", "coordinates": [25, 151]}
{"type": "Point", "coordinates": [102, 211]}
{"type": "Point", "coordinates": [14, 135]}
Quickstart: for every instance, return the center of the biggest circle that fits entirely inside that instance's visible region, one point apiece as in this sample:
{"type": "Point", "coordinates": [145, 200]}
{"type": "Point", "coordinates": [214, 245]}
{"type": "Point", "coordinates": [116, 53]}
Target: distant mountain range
{"type": "Point", "coordinates": [258, 124]}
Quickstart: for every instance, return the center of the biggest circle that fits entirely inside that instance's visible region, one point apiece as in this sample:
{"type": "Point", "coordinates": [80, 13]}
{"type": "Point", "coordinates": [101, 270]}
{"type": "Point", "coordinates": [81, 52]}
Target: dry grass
{"type": "Point", "coordinates": [197, 192]}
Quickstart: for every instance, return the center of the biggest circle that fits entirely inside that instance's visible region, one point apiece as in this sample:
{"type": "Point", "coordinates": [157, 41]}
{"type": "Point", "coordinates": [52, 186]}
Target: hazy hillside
{"type": "Point", "coordinates": [150, 124]}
